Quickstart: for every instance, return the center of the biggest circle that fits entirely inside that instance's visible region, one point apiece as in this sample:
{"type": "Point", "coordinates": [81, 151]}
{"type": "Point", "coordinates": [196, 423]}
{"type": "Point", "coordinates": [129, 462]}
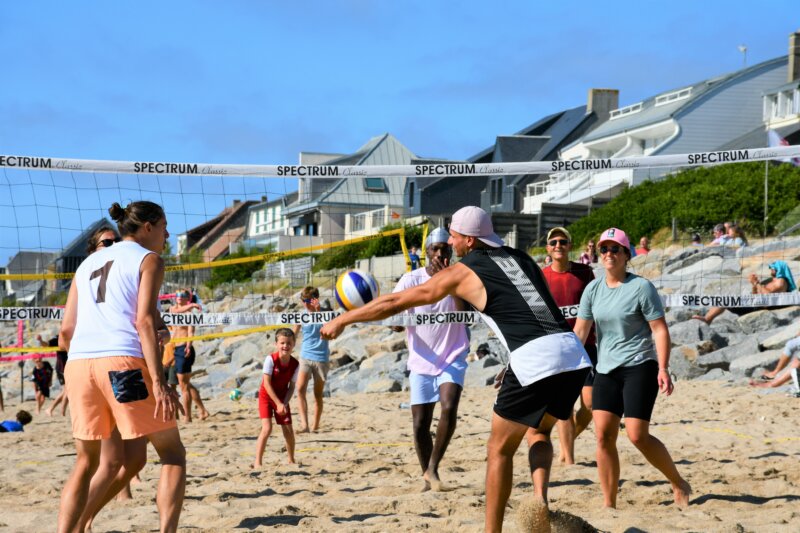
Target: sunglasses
{"type": "Point", "coordinates": [108, 242]}
{"type": "Point", "coordinates": [182, 295]}
{"type": "Point", "coordinates": [613, 249]}
{"type": "Point", "coordinates": [306, 300]}
{"type": "Point", "coordinates": [562, 242]}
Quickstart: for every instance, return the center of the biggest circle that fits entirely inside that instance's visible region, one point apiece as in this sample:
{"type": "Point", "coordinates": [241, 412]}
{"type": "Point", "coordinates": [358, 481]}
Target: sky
{"type": "Point", "coordinates": [259, 82]}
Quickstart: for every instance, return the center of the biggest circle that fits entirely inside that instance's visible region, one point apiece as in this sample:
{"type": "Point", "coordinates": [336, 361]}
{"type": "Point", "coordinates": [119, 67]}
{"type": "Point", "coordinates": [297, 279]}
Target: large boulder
{"type": "Point", "coordinates": [722, 358]}
{"type": "Point", "coordinates": [695, 332]}
{"type": "Point", "coordinates": [758, 321]}
{"type": "Point", "coordinates": [746, 366]}
{"type": "Point", "coordinates": [779, 339]}
{"type": "Point", "coordinates": [682, 363]}
{"type": "Point", "coordinates": [247, 353]}
{"type": "Point", "coordinates": [481, 373]}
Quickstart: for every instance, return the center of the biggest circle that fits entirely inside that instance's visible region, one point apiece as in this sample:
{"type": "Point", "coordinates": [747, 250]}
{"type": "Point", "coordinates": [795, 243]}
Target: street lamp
{"type": "Point", "coordinates": [743, 50]}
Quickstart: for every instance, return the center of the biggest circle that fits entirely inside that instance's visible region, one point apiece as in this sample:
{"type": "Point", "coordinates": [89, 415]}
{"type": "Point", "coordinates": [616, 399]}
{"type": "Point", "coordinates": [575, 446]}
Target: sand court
{"type": "Point", "coordinates": [737, 447]}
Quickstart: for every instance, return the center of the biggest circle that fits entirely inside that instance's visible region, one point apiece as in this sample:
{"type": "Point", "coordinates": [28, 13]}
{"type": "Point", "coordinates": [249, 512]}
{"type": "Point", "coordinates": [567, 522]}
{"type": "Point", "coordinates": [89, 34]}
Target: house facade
{"type": "Point", "coordinates": [333, 209]}
{"type": "Point", "coordinates": [216, 237]}
{"type": "Point", "coordinates": [701, 117]}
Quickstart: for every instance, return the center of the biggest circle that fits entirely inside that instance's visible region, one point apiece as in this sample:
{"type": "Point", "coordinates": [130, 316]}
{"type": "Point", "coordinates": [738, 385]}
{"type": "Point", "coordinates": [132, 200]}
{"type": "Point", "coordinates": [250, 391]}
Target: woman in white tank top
{"type": "Point", "coordinates": [114, 376]}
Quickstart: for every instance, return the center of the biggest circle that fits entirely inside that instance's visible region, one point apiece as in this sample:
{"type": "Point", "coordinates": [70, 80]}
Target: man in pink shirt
{"type": "Point", "coordinates": [437, 362]}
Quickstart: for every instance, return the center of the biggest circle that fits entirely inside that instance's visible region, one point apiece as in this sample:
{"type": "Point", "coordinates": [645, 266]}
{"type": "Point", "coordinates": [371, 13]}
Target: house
{"type": "Point", "coordinates": [701, 117]}
{"type": "Point", "coordinates": [215, 237]}
{"type": "Point", "coordinates": [332, 209]}
{"type": "Point", "coordinates": [28, 262]}
{"type": "Point", "coordinates": [540, 141]}
{"type": "Point", "coordinates": [266, 223]}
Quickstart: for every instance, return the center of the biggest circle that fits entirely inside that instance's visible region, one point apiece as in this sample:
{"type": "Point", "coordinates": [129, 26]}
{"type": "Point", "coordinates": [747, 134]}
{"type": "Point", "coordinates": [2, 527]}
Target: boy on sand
{"type": "Point", "coordinates": [277, 386]}
{"type": "Point", "coordinates": [23, 419]}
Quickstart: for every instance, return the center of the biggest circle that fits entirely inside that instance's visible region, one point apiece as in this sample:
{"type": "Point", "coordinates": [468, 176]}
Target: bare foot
{"type": "Point", "coordinates": [204, 415]}
{"type": "Point", "coordinates": [426, 487]}
{"type": "Point", "coordinates": [701, 318]}
{"type": "Point", "coordinates": [49, 412]}
{"type": "Point", "coordinates": [432, 478]}
{"type": "Point", "coordinates": [292, 461]}
{"type": "Point", "coordinates": [303, 429]}
{"type": "Point", "coordinates": [256, 466]}
{"type": "Point", "coordinates": [125, 494]}
{"type": "Point", "coordinates": [682, 491]}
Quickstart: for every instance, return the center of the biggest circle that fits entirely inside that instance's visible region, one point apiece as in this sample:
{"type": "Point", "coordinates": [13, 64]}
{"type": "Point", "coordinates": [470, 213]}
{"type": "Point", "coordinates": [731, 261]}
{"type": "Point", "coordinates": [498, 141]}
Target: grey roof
{"type": "Point", "coordinates": [794, 84]}
{"type": "Point", "coordinates": [650, 114]}
{"type": "Point", "coordinates": [380, 150]}
{"type": "Point", "coordinates": [78, 244]}
{"type": "Point", "coordinates": [284, 200]}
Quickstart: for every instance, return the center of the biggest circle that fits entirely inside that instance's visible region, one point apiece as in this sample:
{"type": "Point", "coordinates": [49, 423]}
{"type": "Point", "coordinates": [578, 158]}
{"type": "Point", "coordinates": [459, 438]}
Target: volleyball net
{"type": "Point", "coordinates": [245, 239]}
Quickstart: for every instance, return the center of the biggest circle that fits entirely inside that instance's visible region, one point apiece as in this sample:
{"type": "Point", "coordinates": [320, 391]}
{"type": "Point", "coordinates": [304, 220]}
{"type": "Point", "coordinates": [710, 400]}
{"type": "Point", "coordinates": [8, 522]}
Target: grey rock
{"type": "Point", "coordinates": [745, 366]}
{"type": "Point", "coordinates": [678, 314]}
{"type": "Point", "coordinates": [758, 321]}
{"type": "Point", "coordinates": [247, 353]}
{"type": "Point", "coordinates": [722, 358]}
{"type": "Point", "coordinates": [781, 245]}
{"type": "Point", "coordinates": [384, 385]}
{"type": "Point", "coordinates": [779, 339]}
{"type": "Point", "coordinates": [682, 363]}
{"type": "Point", "coordinates": [715, 374]}
{"type": "Point", "coordinates": [694, 332]}
{"type": "Point", "coordinates": [787, 314]}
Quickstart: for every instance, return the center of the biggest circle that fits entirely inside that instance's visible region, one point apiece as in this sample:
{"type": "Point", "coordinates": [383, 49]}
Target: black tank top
{"type": "Point", "coordinates": [518, 300]}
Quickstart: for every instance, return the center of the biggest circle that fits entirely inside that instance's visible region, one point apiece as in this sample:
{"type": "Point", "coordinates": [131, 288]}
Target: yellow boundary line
{"type": "Point", "coordinates": [273, 256]}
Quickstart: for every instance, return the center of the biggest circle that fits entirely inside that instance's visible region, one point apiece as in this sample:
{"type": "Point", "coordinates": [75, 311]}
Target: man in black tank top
{"type": "Point", "coordinates": [547, 363]}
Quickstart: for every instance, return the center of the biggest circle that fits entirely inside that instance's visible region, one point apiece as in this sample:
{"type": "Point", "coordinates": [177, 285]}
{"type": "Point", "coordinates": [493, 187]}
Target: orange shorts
{"type": "Point", "coordinates": [94, 405]}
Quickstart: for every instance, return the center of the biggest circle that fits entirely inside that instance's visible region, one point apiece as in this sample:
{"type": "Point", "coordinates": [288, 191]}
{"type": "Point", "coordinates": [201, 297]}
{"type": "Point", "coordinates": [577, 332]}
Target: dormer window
{"type": "Point", "coordinates": [374, 184]}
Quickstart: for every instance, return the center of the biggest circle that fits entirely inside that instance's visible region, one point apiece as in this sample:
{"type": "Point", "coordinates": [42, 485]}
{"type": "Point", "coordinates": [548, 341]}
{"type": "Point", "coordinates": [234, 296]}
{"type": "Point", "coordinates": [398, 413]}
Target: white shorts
{"type": "Point", "coordinates": [792, 347]}
{"type": "Point", "coordinates": [425, 389]}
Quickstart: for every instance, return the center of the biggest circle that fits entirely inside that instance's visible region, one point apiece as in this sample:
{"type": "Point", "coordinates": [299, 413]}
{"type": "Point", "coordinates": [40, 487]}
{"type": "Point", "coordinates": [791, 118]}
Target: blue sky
{"type": "Point", "coordinates": [259, 82]}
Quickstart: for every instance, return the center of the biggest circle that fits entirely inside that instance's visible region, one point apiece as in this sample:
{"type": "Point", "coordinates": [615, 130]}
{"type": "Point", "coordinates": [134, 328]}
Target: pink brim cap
{"type": "Point", "coordinates": [473, 221]}
{"type": "Point", "coordinates": [615, 235]}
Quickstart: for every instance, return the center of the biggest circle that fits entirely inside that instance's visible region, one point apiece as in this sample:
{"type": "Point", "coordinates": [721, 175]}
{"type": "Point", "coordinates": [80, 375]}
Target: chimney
{"type": "Point", "coordinates": [602, 102]}
{"type": "Point", "coordinates": [263, 198]}
{"type": "Point", "coordinates": [236, 202]}
{"type": "Point", "coordinates": [794, 57]}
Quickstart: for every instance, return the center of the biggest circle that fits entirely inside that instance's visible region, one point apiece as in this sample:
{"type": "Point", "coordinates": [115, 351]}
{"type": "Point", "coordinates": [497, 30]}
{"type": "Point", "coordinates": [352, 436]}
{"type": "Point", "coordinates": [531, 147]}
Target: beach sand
{"type": "Point", "coordinates": [739, 448]}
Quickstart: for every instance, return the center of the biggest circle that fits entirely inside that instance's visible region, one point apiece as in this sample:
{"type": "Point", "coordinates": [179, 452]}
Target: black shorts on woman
{"type": "Point", "coordinates": [627, 390]}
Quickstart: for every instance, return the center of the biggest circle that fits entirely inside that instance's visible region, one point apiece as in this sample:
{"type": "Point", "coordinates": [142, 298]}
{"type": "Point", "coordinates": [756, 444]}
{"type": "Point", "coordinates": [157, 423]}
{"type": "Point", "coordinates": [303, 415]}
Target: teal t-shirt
{"type": "Point", "coordinates": [621, 316]}
{"type": "Point", "coordinates": [314, 347]}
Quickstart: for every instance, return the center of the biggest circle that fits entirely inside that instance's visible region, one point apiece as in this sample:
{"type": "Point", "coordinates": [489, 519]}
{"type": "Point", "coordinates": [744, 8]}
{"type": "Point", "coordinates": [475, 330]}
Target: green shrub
{"type": "Point", "coordinates": [239, 272]}
{"type": "Point", "coordinates": [698, 198]}
{"type": "Point", "coordinates": [346, 256]}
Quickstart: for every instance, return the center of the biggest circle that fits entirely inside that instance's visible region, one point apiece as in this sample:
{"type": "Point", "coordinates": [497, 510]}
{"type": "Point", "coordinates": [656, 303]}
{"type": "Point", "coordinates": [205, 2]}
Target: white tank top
{"type": "Point", "coordinates": [108, 292]}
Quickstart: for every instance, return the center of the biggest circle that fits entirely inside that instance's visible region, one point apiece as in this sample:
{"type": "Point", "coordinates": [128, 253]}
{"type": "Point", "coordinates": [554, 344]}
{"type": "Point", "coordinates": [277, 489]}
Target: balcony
{"type": "Point", "coordinates": [369, 222]}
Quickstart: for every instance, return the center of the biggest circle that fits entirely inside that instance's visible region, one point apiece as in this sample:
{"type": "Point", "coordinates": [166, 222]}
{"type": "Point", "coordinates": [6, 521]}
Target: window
{"type": "Point", "coordinates": [496, 191]}
{"type": "Point", "coordinates": [374, 184]}
{"type": "Point", "coordinates": [625, 111]}
{"type": "Point", "coordinates": [411, 194]}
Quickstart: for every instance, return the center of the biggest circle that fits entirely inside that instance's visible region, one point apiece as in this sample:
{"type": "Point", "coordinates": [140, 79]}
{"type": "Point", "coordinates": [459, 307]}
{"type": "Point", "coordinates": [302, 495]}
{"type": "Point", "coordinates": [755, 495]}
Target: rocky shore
{"type": "Point", "coordinates": [372, 358]}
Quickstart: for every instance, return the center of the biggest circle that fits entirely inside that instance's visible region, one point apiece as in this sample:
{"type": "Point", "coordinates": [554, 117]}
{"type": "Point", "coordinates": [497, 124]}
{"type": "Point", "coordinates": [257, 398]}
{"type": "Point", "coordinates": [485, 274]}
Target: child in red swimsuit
{"type": "Point", "coordinates": [277, 387]}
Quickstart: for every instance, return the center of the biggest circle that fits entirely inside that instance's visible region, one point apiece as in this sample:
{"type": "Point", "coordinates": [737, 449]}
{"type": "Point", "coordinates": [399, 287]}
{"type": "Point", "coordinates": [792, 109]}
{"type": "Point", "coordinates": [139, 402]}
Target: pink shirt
{"type": "Point", "coordinates": [432, 348]}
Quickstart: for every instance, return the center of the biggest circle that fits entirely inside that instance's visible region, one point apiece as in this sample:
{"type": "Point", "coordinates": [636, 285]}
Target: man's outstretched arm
{"type": "Point", "coordinates": [442, 284]}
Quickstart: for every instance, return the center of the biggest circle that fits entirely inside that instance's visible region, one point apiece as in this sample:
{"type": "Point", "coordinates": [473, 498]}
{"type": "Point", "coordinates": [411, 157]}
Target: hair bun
{"type": "Point", "coordinates": [116, 211]}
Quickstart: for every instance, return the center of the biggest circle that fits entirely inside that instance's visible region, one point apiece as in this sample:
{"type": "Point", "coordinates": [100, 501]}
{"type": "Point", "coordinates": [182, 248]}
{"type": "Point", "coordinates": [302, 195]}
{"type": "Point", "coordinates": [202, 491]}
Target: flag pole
{"type": "Point", "coordinates": [766, 194]}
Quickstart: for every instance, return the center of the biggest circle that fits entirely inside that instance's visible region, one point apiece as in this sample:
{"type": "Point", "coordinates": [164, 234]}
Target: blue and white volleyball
{"type": "Point", "coordinates": [355, 288]}
{"type": "Point", "coordinates": [235, 395]}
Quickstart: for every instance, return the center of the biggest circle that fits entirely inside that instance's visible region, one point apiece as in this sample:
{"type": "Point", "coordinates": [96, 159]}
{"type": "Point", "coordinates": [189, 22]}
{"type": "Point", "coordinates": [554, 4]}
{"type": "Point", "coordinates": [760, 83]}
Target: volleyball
{"type": "Point", "coordinates": [235, 395]}
{"type": "Point", "coordinates": [355, 288]}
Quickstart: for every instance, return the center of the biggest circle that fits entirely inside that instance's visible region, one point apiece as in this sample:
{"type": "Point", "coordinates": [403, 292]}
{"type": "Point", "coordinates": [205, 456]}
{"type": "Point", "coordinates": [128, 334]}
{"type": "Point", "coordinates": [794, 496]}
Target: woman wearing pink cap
{"type": "Point", "coordinates": [633, 347]}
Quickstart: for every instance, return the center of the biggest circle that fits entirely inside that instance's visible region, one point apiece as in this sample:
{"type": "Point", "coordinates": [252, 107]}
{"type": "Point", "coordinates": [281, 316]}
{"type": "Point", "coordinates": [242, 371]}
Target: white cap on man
{"type": "Point", "coordinates": [473, 221]}
{"type": "Point", "coordinates": [437, 236]}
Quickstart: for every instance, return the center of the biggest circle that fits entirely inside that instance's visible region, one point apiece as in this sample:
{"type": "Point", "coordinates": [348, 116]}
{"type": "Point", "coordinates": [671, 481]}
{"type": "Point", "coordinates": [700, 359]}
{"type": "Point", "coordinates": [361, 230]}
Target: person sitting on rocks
{"type": "Point", "coordinates": [736, 236]}
{"type": "Point", "coordinates": [791, 352]}
{"type": "Point", "coordinates": [720, 235]}
{"type": "Point", "coordinates": [781, 280]}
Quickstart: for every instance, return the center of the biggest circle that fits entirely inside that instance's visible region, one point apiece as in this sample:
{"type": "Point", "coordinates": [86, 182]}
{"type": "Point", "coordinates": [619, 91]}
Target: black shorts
{"type": "Point", "coordinates": [627, 390]}
{"type": "Point", "coordinates": [591, 349]}
{"type": "Point", "coordinates": [554, 395]}
{"type": "Point", "coordinates": [183, 363]}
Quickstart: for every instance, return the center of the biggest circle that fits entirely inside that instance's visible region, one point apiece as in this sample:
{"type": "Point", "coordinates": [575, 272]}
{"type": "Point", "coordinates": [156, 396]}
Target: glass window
{"type": "Point", "coordinates": [374, 184]}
